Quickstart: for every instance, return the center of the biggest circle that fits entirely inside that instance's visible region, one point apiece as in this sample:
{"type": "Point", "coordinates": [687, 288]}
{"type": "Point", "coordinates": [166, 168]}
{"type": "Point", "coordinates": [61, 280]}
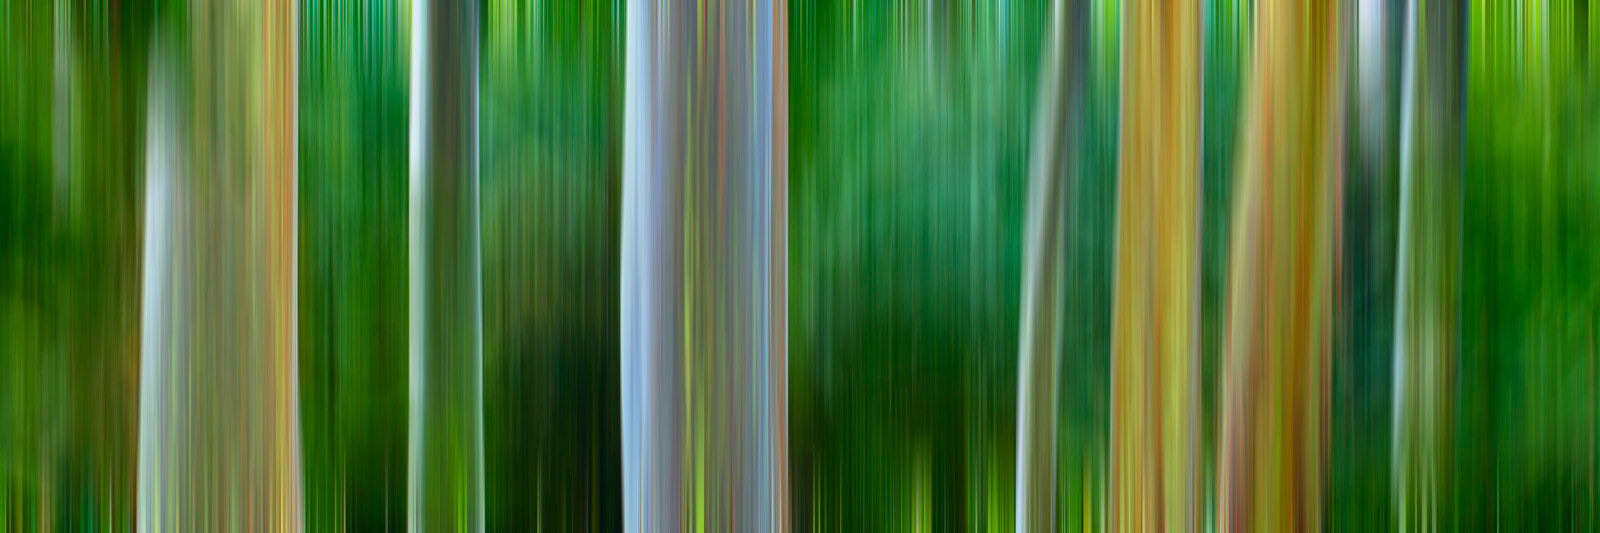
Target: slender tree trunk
{"type": "Point", "coordinates": [1155, 354]}
{"type": "Point", "coordinates": [1283, 273]}
{"type": "Point", "coordinates": [1053, 164]}
{"type": "Point", "coordinates": [219, 430]}
{"type": "Point", "coordinates": [704, 267]}
{"type": "Point", "coordinates": [1428, 270]}
{"type": "Point", "coordinates": [446, 457]}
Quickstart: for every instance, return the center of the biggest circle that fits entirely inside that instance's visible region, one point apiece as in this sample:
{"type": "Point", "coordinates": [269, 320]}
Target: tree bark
{"type": "Point", "coordinates": [219, 430]}
{"type": "Point", "coordinates": [1283, 273]}
{"type": "Point", "coordinates": [704, 255]}
{"type": "Point", "coordinates": [1155, 350]}
{"type": "Point", "coordinates": [446, 345]}
{"type": "Point", "coordinates": [1053, 164]}
{"type": "Point", "coordinates": [1428, 270]}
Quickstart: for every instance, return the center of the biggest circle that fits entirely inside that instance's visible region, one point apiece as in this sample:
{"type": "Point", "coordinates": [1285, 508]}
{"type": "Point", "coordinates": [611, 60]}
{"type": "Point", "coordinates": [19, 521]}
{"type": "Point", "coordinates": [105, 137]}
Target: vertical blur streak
{"type": "Point", "coordinates": [643, 266]}
{"type": "Point", "coordinates": [219, 437]}
{"type": "Point", "coordinates": [775, 369]}
{"type": "Point", "coordinates": [1530, 300]}
{"type": "Point", "coordinates": [353, 272]}
{"type": "Point", "coordinates": [1283, 279]}
{"type": "Point", "coordinates": [63, 109]}
{"type": "Point", "coordinates": [703, 343]}
{"type": "Point", "coordinates": [1053, 161]}
{"type": "Point", "coordinates": [1284, 275]}
{"type": "Point", "coordinates": [1427, 272]}
{"type": "Point", "coordinates": [550, 154]}
{"type": "Point", "coordinates": [157, 332]}
{"type": "Point", "coordinates": [1155, 366]}
{"type": "Point", "coordinates": [1359, 486]}
{"type": "Point", "coordinates": [72, 93]}
{"type": "Point", "coordinates": [446, 345]}
{"type": "Point", "coordinates": [911, 143]}
{"type": "Point", "coordinates": [62, 147]}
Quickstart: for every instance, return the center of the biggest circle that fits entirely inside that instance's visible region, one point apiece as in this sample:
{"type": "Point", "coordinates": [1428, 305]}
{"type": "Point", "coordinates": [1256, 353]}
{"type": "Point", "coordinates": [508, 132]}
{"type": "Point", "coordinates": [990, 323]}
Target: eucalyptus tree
{"type": "Point", "coordinates": [1427, 309]}
{"type": "Point", "coordinates": [704, 267]}
{"type": "Point", "coordinates": [219, 443]}
{"type": "Point", "coordinates": [446, 328]}
{"type": "Point", "coordinates": [1041, 347]}
{"type": "Point", "coordinates": [1155, 476]}
{"type": "Point", "coordinates": [1273, 447]}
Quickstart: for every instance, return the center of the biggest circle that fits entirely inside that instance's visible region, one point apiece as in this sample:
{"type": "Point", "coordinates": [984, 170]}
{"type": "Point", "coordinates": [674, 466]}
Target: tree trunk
{"type": "Point", "coordinates": [1283, 273]}
{"type": "Point", "coordinates": [1155, 351]}
{"type": "Point", "coordinates": [219, 435]}
{"type": "Point", "coordinates": [1428, 270]}
{"type": "Point", "coordinates": [1055, 156]}
{"type": "Point", "coordinates": [446, 457]}
{"type": "Point", "coordinates": [704, 259]}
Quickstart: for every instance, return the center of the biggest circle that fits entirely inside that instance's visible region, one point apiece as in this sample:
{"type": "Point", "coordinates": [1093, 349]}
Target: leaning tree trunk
{"type": "Point", "coordinates": [1155, 350]}
{"type": "Point", "coordinates": [446, 456]}
{"type": "Point", "coordinates": [704, 255]}
{"type": "Point", "coordinates": [1053, 163]}
{"type": "Point", "coordinates": [1428, 264]}
{"type": "Point", "coordinates": [1283, 274]}
{"type": "Point", "coordinates": [219, 427]}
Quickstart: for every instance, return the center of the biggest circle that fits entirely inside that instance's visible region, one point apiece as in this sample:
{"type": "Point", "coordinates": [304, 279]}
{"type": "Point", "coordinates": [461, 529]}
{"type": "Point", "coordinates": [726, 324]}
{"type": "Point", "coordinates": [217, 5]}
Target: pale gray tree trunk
{"type": "Point", "coordinates": [1428, 262]}
{"type": "Point", "coordinates": [703, 267]}
{"type": "Point", "coordinates": [1053, 163]}
{"type": "Point", "coordinates": [446, 456]}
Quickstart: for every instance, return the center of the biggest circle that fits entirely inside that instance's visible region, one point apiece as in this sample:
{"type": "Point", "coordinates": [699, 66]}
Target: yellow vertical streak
{"type": "Point", "coordinates": [223, 435]}
{"type": "Point", "coordinates": [1282, 275]}
{"type": "Point", "coordinates": [1154, 352]}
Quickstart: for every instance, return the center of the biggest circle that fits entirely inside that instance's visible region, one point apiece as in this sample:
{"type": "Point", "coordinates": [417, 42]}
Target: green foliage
{"type": "Point", "coordinates": [1530, 297]}
{"type": "Point", "coordinates": [71, 161]}
{"type": "Point", "coordinates": [354, 59]}
{"type": "Point", "coordinates": [551, 185]}
{"type": "Point", "coordinates": [910, 127]}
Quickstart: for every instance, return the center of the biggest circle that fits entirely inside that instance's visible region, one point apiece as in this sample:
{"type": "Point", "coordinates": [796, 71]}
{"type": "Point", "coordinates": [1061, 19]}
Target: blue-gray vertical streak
{"type": "Point", "coordinates": [644, 200]}
{"type": "Point", "coordinates": [446, 306]}
{"type": "Point", "coordinates": [703, 340]}
{"type": "Point", "coordinates": [1427, 274]}
{"type": "Point", "coordinates": [1403, 257]}
{"type": "Point", "coordinates": [156, 329]}
{"type": "Point", "coordinates": [1052, 162]}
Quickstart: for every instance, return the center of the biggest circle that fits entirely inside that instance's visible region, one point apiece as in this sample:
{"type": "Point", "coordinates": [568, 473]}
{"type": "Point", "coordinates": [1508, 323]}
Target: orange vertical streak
{"type": "Point", "coordinates": [1154, 361]}
{"type": "Point", "coordinates": [1273, 448]}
